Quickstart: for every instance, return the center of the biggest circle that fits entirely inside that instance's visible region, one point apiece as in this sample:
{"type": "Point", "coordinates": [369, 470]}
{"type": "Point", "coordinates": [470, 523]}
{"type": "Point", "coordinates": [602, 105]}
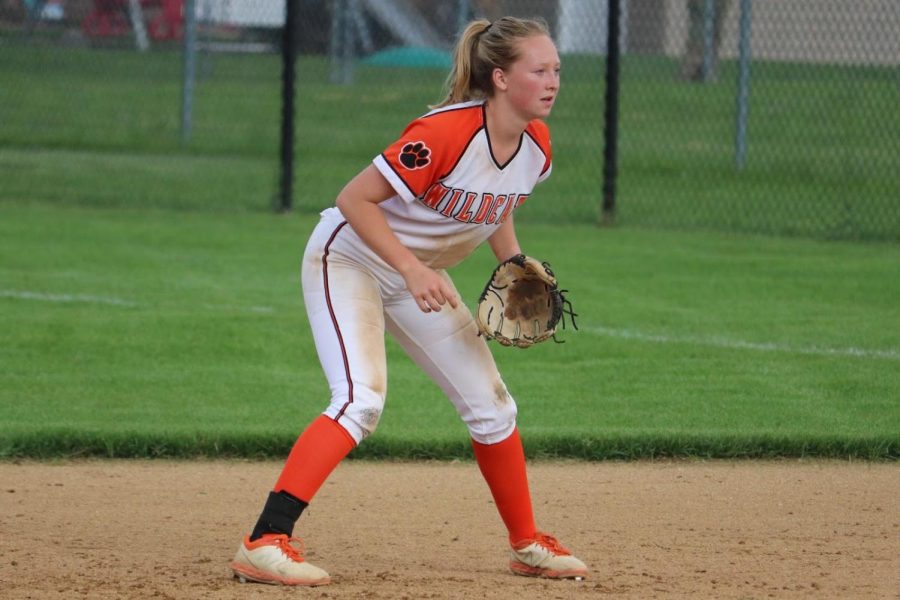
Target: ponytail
{"type": "Point", "coordinates": [482, 47]}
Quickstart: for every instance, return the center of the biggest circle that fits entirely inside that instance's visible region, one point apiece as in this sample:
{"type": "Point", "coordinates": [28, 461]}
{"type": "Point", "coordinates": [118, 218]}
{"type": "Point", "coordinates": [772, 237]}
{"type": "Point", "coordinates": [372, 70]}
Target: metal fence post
{"type": "Point", "coordinates": [341, 48]}
{"type": "Point", "coordinates": [462, 15]}
{"type": "Point", "coordinates": [136, 16]}
{"type": "Point", "coordinates": [709, 36]}
{"type": "Point", "coordinates": [743, 92]}
{"type": "Point", "coordinates": [288, 75]}
{"type": "Point", "coordinates": [187, 86]}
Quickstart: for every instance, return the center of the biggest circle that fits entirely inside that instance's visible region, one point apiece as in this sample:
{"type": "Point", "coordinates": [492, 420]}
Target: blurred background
{"type": "Point", "coordinates": [764, 116]}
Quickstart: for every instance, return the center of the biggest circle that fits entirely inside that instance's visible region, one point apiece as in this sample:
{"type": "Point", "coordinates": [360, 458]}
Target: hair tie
{"type": "Point", "coordinates": [485, 30]}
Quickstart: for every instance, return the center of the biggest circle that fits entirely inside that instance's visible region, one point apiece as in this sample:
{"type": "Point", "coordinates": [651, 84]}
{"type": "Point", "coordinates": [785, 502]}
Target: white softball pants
{"type": "Point", "coordinates": [352, 296]}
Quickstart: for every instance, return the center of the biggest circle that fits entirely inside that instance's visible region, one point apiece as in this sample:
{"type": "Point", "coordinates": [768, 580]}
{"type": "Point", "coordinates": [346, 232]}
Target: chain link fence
{"type": "Point", "coordinates": [770, 116]}
{"type": "Point", "coordinates": [94, 108]}
{"type": "Point", "coordinates": [798, 138]}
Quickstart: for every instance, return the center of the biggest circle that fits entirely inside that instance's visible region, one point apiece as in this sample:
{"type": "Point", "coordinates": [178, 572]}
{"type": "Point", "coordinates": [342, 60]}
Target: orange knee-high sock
{"type": "Point", "coordinates": [314, 456]}
{"type": "Point", "coordinates": [503, 467]}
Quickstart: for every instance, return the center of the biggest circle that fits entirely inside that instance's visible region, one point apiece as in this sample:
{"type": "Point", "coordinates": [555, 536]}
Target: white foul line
{"type": "Point", "coordinates": [719, 342]}
{"type": "Point", "coordinates": [89, 299]}
{"type": "Point", "coordinates": [628, 334]}
{"type": "Point", "coordinates": [64, 298]}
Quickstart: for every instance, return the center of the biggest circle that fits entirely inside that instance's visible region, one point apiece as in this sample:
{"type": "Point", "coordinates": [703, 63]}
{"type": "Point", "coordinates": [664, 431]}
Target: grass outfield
{"type": "Point", "coordinates": [822, 161]}
{"type": "Point", "coordinates": [143, 332]}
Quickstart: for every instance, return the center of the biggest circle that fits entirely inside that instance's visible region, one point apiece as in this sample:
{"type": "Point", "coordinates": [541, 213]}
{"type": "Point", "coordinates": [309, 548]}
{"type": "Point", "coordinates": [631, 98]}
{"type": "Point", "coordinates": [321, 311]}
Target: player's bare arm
{"type": "Point", "coordinates": [358, 202]}
{"type": "Point", "coordinates": [503, 242]}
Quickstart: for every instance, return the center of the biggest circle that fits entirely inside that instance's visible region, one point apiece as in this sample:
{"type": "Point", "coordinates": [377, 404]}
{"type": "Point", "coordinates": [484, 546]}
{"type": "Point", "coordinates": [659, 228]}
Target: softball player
{"type": "Point", "coordinates": [377, 262]}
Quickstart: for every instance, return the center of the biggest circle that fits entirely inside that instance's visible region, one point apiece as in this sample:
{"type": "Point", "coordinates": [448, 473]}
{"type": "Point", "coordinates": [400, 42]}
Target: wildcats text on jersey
{"type": "Point", "coordinates": [471, 207]}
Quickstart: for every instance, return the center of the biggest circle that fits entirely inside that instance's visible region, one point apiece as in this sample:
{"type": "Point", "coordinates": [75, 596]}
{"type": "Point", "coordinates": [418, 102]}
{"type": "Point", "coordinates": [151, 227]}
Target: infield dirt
{"type": "Point", "coordinates": [165, 529]}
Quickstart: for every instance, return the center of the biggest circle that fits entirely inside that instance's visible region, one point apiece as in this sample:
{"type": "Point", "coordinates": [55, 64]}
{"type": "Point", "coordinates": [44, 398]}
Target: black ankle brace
{"type": "Point", "coordinates": [279, 515]}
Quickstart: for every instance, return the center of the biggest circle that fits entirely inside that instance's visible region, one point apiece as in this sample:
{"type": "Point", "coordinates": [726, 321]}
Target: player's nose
{"type": "Point", "coordinates": [553, 82]}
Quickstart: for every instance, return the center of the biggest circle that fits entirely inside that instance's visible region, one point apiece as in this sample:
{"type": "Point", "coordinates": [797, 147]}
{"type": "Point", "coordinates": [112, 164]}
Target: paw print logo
{"type": "Point", "coordinates": [415, 155]}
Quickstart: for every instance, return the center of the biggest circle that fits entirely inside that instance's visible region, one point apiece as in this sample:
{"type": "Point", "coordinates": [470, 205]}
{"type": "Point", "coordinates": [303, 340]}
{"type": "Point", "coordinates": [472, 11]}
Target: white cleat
{"type": "Point", "coordinates": [274, 560]}
{"type": "Point", "coordinates": [544, 556]}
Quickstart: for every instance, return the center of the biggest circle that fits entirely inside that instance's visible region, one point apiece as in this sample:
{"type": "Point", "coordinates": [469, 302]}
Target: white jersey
{"type": "Point", "coordinates": [451, 195]}
{"type": "Point", "coordinates": [451, 192]}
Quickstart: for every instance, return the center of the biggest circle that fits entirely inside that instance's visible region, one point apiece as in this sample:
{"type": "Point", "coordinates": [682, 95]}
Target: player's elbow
{"type": "Point", "coordinates": [343, 201]}
{"type": "Point", "coordinates": [351, 198]}
{"type": "Point", "coordinates": [368, 187]}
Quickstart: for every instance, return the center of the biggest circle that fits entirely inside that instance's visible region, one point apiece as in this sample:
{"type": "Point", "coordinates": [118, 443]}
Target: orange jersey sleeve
{"type": "Point", "coordinates": [429, 148]}
{"type": "Point", "coordinates": [540, 133]}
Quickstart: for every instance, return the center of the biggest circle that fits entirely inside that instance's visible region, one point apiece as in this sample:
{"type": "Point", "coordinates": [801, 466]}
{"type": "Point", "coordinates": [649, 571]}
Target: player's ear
{"type": "Point", "coordinates": [498, 77]}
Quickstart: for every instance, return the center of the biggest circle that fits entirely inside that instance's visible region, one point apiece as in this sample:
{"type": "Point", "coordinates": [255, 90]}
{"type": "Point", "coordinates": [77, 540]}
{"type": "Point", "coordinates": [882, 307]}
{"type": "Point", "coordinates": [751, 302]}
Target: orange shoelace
{"type": "Point", "coordinates": [551, 543]}
{"type": "Point", "coordinates": [285, 544]}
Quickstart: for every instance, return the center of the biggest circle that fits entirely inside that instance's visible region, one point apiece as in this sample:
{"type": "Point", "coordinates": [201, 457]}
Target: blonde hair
{"type": "Point", "coordinates": [483, 47]}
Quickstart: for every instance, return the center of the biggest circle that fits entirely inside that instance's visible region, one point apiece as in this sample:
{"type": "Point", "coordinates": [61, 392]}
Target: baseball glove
{"type": "Point", "coordinates": [521, 305]}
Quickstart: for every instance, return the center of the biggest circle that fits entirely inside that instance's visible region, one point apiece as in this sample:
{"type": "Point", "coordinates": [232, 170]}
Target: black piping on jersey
{"type": "Point", "coordinates": [400, 177]}
{"type": "Point", "coordinates": [445, 175]}
{"type": "Point", "coordinates": [441, 111]}
{"type": "Point", "coordinates": [458, 158]}
{"type": "Point", "coordinates": [461, 154]}
{"type": "Point", "coordinates": [466, 148]}
{"type": "Point", "coordinates": [490, 147]}
{"type": "Point", "coordinates": [337, 328]}
{"type": "Point", "coordinates": [536, 143]}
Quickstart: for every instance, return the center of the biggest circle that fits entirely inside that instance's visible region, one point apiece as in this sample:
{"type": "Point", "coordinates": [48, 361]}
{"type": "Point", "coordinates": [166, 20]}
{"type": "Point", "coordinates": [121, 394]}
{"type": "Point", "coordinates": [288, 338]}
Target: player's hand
{"type": "Point", "coordinates": [430, 290]}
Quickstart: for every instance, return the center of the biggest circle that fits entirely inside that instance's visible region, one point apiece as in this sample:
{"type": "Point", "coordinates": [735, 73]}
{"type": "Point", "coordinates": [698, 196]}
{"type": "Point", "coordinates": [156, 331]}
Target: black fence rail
{"type": "Point", "coordinates": [768, 116]}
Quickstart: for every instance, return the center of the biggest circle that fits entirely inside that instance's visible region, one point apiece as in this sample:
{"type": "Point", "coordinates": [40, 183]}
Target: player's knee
{"type": "Point", "coordinates": [360, 412]}
{"type": "Point", "coordinates": [368, 419]}
{"type": "Point", "coordinates": [495, 427]}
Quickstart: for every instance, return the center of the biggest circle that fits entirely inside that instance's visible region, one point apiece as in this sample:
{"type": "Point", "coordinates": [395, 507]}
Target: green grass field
{"type": "Point", "coordinates": [150, 304]}
{"type": "Point", "coordinates": [144, 332]}
{"type": "Point", "coordinates": [822, 162]}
